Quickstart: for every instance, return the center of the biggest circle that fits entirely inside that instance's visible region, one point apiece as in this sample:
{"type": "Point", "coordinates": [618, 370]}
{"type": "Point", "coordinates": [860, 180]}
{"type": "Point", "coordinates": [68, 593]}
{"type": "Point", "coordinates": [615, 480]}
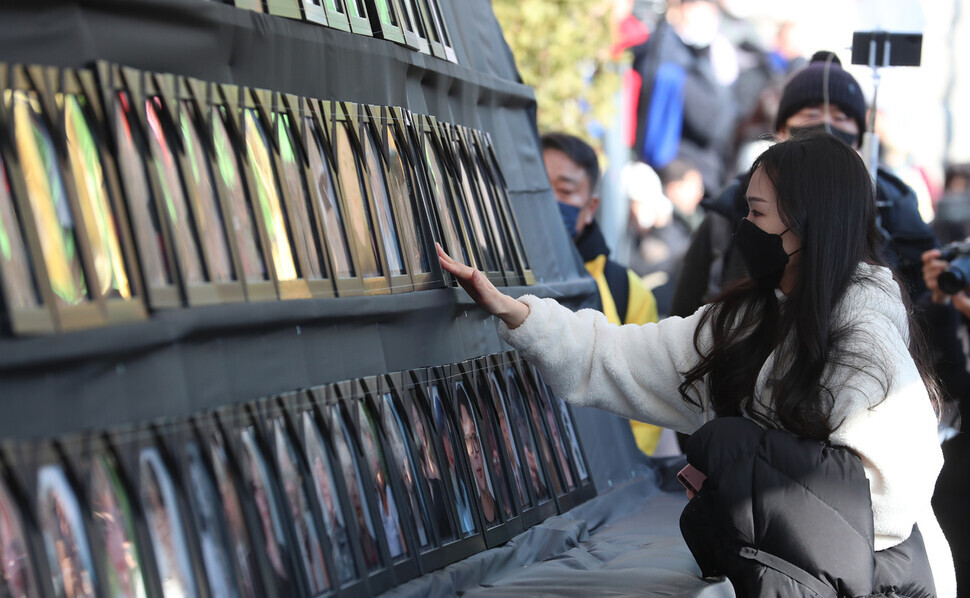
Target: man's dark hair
{"type": "Point", "coordinates": [578, 151]}
{"type": "Point", "coordinates": [954, 172]}
{"type": "Point", "coordinates": [676, 170]}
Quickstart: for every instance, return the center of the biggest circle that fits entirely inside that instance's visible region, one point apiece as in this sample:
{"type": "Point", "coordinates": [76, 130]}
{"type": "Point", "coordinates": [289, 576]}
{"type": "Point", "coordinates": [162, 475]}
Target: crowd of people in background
{"type": "Point", "coordinates": [704, 99]}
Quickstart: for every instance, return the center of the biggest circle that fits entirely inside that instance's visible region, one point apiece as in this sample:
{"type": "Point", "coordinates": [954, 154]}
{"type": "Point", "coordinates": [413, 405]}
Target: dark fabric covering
{"type": "Point", "coordinates": [786, 516]}
{"type": "Point", "coordinates": [183, 361]}
{"type": "Point", "coordinates": [622, 543]}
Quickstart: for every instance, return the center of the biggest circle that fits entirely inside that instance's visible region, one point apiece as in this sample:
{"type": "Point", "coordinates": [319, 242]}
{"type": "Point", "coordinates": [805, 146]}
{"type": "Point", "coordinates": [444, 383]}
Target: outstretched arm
{"type": "Point", "coordinates": [632, 371]}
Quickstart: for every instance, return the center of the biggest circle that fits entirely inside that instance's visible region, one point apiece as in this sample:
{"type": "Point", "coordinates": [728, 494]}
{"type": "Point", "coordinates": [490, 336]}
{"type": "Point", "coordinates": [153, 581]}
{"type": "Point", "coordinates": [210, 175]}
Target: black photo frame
{"type": "Point", "coordinates": [327, 201]}
{"type": "Point", "coordinates": [504, 201]}
{"type": "Point", "coordinates": [205, 265]}
{"type": "Point", "coordinates": [40, 182]}
{"type": "Point", "coordinates": [166, 513]}
{"type": "Point", "coordinates": [268, 197]}
{"type": "Point", "coordinates": [19, 570]}
{"type": "Point", "coordinates": [267, 514]}
{"type": "Point", "coordinates": [569, 437]}
{"type": "Point", "coordinates": [390, 503]}
{"type": "Point", "coordinates": [117, 538]}
{"type": "Point", "coordinates": [552, 464]}
{"type": "Point", "coordinates": [250, 562]}
{"type": "Point", "coordinates": [413, 26]}
{"type": "Point", "coordinates": [437, 384]}
{"type": "Point", "coordinates": [123, 99]}
{"type": "Point", "coordinates": [430, 512]}
{"type": "Point", "coordinates": [490, 199]}
{"type": "Point", "coordinates": [24, 300]}
{"type": "Point", "coordinates": [233, 182]}
{"type": "Point", "coordinates": [205, 514]}
{"type": "Point", "coordinates": [329, 489]}
{"type": "Point", "coordinates": [438, 36]}
{"type": "Point", "coordinates": [396, 232]}
{"type": "Point", "coordinates": [209, 206]}
{"type": "Point", "coordinates": [292, 160]}
{"type": "Point", "coordinates": [537, 455]}
{"type": "Point", "coordinates": [574, 494]}
{"type": "Point", "coordinates": [376, 560]}
{"type": "Point", "coordinates": [313, 551]}
{"type": "Point", "coordinates": [385, 20]}
{"type": "Point", "coordinates": [476, 419]}
{"type": "Point", "coordinates": [448, 228]}
{"type": "Point", "coordinates": [453, 513]}
{"type": "Point", "coordinates": [62, 517]}
{"type": "Point", "coordinates": [80, 119]}
{"type": "Point", "coordinates": [410, 193]}
{"type": "Point", "coordinates": [361, 223]}
{"type": "Point", "coordinates": [480, 232]}
{"type": "Point", "coordinates": [522, 464]}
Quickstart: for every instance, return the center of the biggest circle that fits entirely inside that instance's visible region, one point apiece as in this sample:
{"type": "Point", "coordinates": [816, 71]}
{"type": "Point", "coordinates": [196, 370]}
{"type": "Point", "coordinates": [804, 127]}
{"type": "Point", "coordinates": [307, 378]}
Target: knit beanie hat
{"type": "Point", "coordinates": [807, 87]}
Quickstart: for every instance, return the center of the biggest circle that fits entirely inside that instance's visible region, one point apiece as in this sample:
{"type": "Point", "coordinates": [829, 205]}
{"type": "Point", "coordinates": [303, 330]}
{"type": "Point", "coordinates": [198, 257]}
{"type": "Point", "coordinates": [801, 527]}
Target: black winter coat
{"type": "Point", "coordinates": [785, 516]}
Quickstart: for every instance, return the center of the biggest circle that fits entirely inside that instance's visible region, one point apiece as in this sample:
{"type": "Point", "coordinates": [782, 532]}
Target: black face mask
{"type": "Point", "coordinates": [836, 132]}
{"type": "Point", "coordinates": [762, 252]}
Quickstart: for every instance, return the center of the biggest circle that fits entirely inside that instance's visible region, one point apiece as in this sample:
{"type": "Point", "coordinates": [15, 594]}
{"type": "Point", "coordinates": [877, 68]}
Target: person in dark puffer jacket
{"type": "Point", "coordinates": [785, 516]}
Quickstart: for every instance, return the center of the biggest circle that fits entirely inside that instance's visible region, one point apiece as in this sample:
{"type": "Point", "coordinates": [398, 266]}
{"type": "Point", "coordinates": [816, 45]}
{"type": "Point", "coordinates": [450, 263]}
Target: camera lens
{"type": "Point", "coordinates": [956, 277]}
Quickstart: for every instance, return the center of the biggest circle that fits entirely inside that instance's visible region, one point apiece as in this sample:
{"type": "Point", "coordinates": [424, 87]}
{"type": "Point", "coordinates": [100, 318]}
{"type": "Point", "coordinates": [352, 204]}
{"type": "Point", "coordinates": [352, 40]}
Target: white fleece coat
{"type": "Point", "coordinates": [635, 371]}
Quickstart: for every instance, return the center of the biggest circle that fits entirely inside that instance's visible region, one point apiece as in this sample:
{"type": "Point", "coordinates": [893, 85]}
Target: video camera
{"type": "Point", "coordinates": [956, 277]}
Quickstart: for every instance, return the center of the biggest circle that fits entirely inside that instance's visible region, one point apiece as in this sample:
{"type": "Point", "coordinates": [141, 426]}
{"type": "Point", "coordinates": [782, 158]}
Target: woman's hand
{"type": "Point", "coordinates": [492, 300]}
{"type": "Point", "coordinates": [933, 266]}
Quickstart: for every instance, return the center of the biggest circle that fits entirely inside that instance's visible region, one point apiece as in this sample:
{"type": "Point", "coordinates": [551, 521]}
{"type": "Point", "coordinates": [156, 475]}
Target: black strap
{"type": "Point", "coordinates": [793, 572]}
{"type": "Point", "coordinates": [618, 281]}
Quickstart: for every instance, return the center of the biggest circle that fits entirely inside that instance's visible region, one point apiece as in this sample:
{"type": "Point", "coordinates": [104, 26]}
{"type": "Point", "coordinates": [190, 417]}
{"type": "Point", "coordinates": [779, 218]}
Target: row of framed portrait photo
{"type": "Point", "coordinates": [126, 191]}
{"type": "Point", "coordinates": [346, 489]}
{"type": "Point", "coordinates": [415, 24]}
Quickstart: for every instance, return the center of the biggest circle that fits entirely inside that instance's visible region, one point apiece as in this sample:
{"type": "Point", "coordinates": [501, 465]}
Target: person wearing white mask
{"type": "Point", "coordinates": [686, 108]}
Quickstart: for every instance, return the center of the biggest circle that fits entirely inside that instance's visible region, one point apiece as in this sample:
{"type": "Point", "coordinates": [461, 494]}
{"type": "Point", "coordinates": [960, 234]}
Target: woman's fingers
{"type": "Point", "coordinates": [483, 292]}
{"type": "Point", "coordinates": [470, 279]}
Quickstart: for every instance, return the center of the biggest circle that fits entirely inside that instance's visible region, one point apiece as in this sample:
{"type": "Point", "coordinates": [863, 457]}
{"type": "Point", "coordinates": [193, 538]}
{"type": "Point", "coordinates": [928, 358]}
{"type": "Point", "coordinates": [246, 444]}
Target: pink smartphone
{"type": "Point", "coordinates": [692, 479]}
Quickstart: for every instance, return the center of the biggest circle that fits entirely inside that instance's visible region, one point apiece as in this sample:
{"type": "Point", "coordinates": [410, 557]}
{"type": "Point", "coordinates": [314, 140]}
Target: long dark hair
{"type": "Point", "coordinates": [826, 196]}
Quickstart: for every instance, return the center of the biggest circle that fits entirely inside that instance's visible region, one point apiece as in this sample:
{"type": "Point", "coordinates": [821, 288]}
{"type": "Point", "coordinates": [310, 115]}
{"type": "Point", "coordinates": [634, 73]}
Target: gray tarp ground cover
{"type": "Point", "coordinates": [626, 542]}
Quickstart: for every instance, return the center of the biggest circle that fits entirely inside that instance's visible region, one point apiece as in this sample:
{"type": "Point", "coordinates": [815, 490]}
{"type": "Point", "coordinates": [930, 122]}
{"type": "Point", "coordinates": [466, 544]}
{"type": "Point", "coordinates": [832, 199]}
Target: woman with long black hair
{"type": "Point", "coordinates": [818, 342]}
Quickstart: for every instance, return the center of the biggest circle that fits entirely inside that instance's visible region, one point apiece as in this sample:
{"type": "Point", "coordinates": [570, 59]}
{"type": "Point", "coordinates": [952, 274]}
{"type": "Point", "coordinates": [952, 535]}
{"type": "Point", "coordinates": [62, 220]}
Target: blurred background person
{"type": "Point", "coordinates": [663, 223]}
{"type": "Point", "coordinates": [952, 220]}
{"type": "Point", "coordinates": [685, 107]}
